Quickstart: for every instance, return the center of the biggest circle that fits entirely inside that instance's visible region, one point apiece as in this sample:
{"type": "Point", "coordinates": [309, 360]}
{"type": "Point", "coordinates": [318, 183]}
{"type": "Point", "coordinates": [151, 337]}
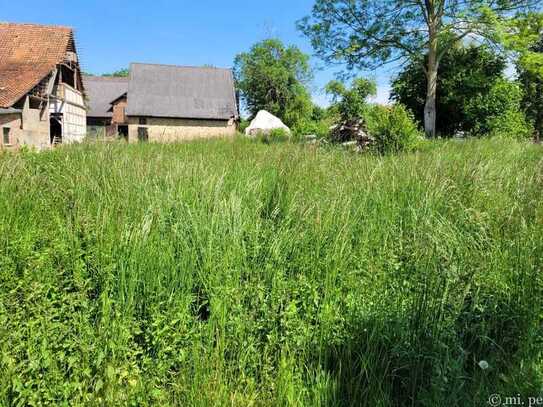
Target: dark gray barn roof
{"type": "Point", "coordinates": [101, 91]}
{"type": "Point", "coordinates": [181, 92]}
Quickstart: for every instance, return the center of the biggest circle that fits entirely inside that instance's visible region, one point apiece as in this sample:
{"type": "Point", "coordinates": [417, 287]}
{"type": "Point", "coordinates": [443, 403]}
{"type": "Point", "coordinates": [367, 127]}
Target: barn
{"type": "Point", "coordinates": [100, 91]}
{"type": "Point", "coordinates": [41, 91]}
{"type": "Point", "coordinates": [166, 103]}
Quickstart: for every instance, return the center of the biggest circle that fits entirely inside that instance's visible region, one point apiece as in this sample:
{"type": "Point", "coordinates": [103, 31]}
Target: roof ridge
{"type": "Point", "coordinates": [106, 78]}
{"type": "Point", "coordinates": [182, 66]}
{"type": "Point", "coordinates": [6, 23]}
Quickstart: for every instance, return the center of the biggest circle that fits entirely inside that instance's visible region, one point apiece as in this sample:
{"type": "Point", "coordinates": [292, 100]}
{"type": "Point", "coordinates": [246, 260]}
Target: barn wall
{"type": "Point", "coordinates": [119, 108]}
{"type": "Point", "coordinates": [74, 114]}
{"type": "Point", "coordinates": [173, 130]}
{"type": "Point", "coordinates": [13, 122]}
{"type": "Point", "coordinates": [29, 128]}
{"type": "Point", "coordinates": [35, 127]}
{"type": "Point", "coordinates": [96, 126]}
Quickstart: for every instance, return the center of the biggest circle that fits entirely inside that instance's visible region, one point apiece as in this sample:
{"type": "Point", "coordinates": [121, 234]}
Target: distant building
{"type": "Point", "coordinates": [41, 91]}
{"type": "Point", "coordinates": [165, 103]}
{"type": "Point", "coordinates": [101, 91]}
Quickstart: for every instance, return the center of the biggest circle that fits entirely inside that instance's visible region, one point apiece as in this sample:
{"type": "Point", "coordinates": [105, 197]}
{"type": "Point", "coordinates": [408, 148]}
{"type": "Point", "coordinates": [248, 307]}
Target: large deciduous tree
{"type": "Point", "coordinates": [274, 77]}
{"type": "Point", "coordinates": [367, 33]}
{"type": "Point", "coordinates": [531, 79]}
{"type": "Point", "coordinates": [464, 74]}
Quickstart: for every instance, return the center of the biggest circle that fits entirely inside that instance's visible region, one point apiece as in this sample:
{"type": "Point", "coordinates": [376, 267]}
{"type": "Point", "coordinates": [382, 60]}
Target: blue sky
{"type": "Point", "coordinates": [111, 34]}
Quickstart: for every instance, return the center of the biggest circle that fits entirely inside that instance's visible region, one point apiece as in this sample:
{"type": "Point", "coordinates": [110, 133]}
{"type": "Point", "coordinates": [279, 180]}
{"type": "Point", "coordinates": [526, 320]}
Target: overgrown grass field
{"type": "Point", "coordinates": [243, 274]}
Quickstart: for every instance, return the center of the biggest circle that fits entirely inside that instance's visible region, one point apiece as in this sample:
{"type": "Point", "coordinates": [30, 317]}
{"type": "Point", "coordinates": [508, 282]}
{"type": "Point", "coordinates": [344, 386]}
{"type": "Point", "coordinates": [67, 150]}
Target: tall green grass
{"type": "Point", "coordinates": [237, 273]}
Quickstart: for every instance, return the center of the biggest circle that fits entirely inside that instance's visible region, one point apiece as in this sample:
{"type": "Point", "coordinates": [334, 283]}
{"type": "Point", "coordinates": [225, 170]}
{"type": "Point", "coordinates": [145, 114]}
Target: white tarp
{"type": "Point", "coordinates": [264, 123]}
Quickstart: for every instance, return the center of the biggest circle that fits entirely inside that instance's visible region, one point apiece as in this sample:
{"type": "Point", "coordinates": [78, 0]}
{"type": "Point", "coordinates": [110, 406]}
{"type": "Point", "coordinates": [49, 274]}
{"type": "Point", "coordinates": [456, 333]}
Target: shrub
{"type": "Point", "coordinates": [393, 128]}
{"type": "Point", "coordinates": [502, 113]}
{"type": "Point", "coordinates": [319, 128]}
{"type": "Point", "coordinates": [510, 124]}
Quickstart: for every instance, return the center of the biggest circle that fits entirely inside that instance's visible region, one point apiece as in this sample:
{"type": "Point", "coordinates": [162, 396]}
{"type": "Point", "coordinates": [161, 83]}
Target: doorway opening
{"type": "Point", "coordinates": [123, 132]}
{"type": "Point", "coordinates": [55, 130]}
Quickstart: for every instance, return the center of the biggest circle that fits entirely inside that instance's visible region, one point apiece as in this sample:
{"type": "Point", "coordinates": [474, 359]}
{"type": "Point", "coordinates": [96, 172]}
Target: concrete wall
{"type": "Point", "coordinates": [173, 130]}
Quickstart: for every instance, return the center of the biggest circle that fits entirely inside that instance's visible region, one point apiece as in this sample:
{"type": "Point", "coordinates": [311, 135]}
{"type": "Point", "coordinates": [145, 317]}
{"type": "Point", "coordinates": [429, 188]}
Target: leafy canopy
{"type": "Point", "coordinates": [274, 77]}
{"type": "Point", "coordinates": [531, 81]}
{"type": "Point", "coordinates": [499, 112]}
{"type": "Point", "coordinates": [523, 36]}
{"type": "Point", "coordinates": [349, 103]}
{"type": "Point", "coordinates": [464, 73]}
{"type": "Point", "coordinates": [367, 33]}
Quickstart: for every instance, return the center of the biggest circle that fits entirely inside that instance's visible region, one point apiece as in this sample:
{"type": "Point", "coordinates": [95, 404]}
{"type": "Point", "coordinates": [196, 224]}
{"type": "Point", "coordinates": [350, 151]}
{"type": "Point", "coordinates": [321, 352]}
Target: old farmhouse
{"type": "Point", "coordinates": [165, 103]}
{"type": "Point", "coordinates": [41, 91]}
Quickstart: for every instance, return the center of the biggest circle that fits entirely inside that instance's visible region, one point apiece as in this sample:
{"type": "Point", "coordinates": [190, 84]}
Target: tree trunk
{"type": "Point", "coordinates": [431, 92]}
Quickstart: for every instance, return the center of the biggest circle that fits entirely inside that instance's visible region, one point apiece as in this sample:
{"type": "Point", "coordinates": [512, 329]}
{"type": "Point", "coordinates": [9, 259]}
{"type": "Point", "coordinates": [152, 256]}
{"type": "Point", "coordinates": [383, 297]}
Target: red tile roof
{"type": "Point", "coordinates": [28, 52]}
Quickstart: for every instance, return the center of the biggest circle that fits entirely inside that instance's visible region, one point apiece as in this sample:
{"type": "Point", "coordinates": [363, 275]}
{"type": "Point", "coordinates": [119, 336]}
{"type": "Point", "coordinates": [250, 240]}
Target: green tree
{"type": "Point", "coordinates": [121, 73]}
{"type": "Point", "coordinates": [349, 103]}
{"type": "Point", "coordinates": [464, 73]}
{"type": "Point", "coordinates": [499, 112]}
{"type": "Point", "coordinates": [367, 33]}
{"type": "Point", "coordinates": [275, 77]}
{"type": "Point", "coordinates": [532, 84]}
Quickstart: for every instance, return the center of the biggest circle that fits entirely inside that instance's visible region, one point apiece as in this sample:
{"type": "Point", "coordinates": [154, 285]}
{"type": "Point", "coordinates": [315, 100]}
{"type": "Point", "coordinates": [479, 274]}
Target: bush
{"type": "Point", "coordinates": [510, 124]}
{"type": "Point", "coordinates": [499, 112]}
{"type": "Point", "coordinates": [349, 103]}
{"type": "Point", "coordinates": [319, 128]}
{"type": "Point", "coordinates": [393, 128]}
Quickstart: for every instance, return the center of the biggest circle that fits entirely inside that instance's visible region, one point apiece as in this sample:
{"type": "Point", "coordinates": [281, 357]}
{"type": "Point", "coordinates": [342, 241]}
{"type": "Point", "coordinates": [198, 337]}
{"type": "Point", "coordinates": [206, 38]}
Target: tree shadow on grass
{"type": "Point", "coordinates": [401, 362]}
{"type": "Point", "coordinates": [376, 367]}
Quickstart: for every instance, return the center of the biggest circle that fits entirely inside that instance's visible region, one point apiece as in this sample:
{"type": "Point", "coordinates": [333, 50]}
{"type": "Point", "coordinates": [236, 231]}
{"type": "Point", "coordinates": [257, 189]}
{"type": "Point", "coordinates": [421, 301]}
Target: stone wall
{"type": "Point", "coordinates": [174, 130]}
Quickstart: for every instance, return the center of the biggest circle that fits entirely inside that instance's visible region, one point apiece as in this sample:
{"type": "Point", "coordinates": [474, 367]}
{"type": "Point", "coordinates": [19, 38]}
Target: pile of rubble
{"type": "Point", "coordinates": [353, 134]}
